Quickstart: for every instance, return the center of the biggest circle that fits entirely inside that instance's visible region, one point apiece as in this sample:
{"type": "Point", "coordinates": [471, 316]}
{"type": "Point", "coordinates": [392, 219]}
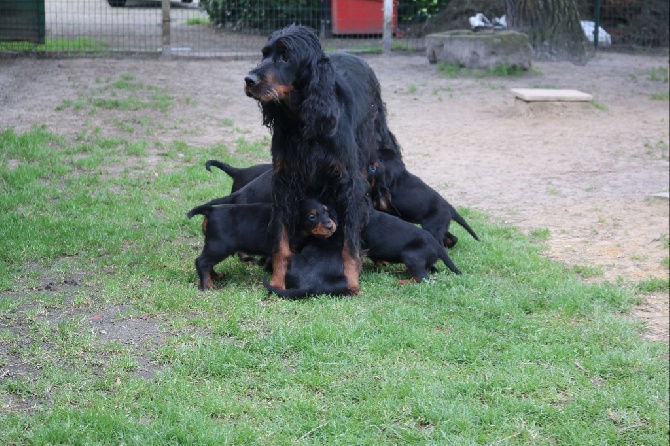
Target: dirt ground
{"type": "Point", "coordinates": [588, 173]}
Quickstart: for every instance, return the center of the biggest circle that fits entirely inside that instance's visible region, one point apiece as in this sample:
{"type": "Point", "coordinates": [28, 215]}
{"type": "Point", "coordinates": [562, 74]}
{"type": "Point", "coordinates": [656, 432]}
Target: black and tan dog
{"type": "Point", "coordinates": [317, 269]}
{"type": "Point", "coordinates": [390, 239]}
{"type": "Point", "coordinates": [245, 227]}
{"type": "Point", "coordinates": [403, 194]}
{"type": "Point", "coordinates": [379, 191]}
{"type": "Point", "coordinates": [325, 113]}
{"type": "Point", "coordinates": [241, 176]}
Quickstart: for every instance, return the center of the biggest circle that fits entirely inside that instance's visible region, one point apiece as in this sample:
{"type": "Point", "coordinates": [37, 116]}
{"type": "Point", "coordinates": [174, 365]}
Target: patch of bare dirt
{"type": "Point", "coordinates": [588, 173]}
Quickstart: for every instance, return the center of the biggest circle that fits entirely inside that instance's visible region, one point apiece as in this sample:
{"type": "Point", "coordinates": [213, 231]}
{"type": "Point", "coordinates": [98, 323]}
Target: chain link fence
{"type": "Point", "coordinates": [238, 28]}
{"type": "Point", "coordinates": [632, 24]}
{"type": "Point", "coordinates": [206, 28]}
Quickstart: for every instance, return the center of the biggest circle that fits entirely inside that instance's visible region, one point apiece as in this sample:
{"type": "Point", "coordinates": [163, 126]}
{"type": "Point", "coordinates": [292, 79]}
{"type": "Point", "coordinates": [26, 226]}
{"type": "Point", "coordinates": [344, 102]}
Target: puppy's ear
{"type": "Point", "coordinates": [319, 110]}
{"type": "Point", "coordinates": [333, 215]}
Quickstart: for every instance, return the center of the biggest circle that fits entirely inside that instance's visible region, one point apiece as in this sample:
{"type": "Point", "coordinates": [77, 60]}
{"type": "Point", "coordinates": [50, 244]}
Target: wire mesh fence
{"type": "Point", "coordinates": [206, 28]}
{"type": "Point", "coordinates": [631, 24]}
{"type": "Point", "coordinates": [237, 28]}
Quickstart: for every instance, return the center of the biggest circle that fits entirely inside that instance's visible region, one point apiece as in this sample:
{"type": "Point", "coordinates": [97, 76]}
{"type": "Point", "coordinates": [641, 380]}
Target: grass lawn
{"type": "Point", "coordinates": [105, 338]}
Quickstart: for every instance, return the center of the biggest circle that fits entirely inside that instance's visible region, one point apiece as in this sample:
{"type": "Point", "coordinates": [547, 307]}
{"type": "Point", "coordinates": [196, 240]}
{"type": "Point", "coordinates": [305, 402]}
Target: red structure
{"type": "Point", "coordinates": [360, 16]}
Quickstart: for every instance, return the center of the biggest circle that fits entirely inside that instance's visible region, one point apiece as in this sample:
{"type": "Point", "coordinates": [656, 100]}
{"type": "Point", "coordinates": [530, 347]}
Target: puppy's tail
{"type": "Point", "coordinates": [287, 294]}
{"type": "Point", "coordinates": [205, 209]}
{"type": "Point", "coordinates": [461, 221]}
{"type": "Point", "coordinates": [444, 256]}
{"type": "Point", "coordinates": [228, 199]}
{"type": "Point", "coordinates": [230, 170]}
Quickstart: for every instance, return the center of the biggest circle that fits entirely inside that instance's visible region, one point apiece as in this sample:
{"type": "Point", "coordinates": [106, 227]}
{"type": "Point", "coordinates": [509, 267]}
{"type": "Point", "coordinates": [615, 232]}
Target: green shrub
{"type": "Point", "coordinates": [263, 15]}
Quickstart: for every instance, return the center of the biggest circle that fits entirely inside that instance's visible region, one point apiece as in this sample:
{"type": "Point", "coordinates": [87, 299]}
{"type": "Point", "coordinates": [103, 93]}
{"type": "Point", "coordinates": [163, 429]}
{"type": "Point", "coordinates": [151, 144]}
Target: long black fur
{"type": "Point", "coordinates": [325, 114]}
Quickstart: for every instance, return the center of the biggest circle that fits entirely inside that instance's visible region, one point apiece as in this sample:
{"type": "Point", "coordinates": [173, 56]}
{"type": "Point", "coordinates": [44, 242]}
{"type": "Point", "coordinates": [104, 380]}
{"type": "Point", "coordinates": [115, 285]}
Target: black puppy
{"type": "Point", "coordinates": [317, 269]}
{"type": "Point", "coordinates": [240, 176]}
{"type": "Point", "coordinates": [379, 191]}
{"type": "Point", "coordinates": [259, 190]}
{"type": "Point", "coordinates": [403, 194]}
{"type": "Point", "coordinates": [388, 238]}
{"type": "Point", "coordinates": [245, 227]}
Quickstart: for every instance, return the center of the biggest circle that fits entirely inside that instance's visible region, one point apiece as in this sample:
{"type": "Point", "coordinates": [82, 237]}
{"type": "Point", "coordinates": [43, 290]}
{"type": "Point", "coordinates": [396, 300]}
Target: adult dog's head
{"type": "Point", "coordinates": [295, 74]}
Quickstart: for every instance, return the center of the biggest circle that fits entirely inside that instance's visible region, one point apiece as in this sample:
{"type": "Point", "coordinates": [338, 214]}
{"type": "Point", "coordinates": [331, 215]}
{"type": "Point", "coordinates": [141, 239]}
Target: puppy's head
{"type": "Point", "coordinates": [317, 219]}
{"type": "Point", "coordinates": [380, 193]}
{"type": "Point", "coordinates": [375, 173]}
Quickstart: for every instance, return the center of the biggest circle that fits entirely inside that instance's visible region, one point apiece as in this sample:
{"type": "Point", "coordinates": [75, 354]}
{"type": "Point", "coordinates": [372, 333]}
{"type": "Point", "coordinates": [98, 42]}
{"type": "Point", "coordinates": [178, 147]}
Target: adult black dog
{"type": "Point", "coordinates": [325, 114]}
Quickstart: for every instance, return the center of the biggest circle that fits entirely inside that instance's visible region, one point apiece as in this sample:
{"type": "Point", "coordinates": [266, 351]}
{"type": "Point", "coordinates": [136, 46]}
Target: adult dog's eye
{"type": "Point", "coordinates": [312, 217]}
{"type": "Point", "coordinates": [283, 56]}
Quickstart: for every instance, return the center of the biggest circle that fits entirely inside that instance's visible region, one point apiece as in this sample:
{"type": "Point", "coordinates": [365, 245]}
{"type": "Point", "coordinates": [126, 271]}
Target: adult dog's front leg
{"type": "Point", "coordinates": [352, 268]}
{"type": "Point", "coordinates": [280, 259]}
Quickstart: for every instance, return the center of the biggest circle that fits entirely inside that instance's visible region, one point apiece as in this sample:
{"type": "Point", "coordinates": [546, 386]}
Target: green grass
{"type": "Point", "coordinates": [599, 105]}
{"type": "Point", "coordinates": [654, 284]}
{"type": "Point", "coordinates": [664, 96]}
{"type": "Point", "coordinates": [545, 86]}
{"type": "Point", "coordinates": [588, 271]}
{"type": "Point", "coordinates": [58, 45]}
{"type": "Point", "coordinates": [659, 74]}
{"type": "Point", "coordinates": [455, 70]}
{"type": "Point", "coordinates": [403, 45]}
{"type": "Point", "coordinates": [367, 48]}
{"type": "Point", "coordinates": [124, 93]}
{"type": "Point", "coordinates": [198, 21]}
{"type": "Point", "coordinates": [105, 338]}
{"type": "Point", "coordinates": [542, 234]}
{"type": "Point", "coordinates": [370, 48]}
{"type": "Point", "coordinates": [659, 149]}
{"type": "Point", "coordinates": [253, 150]}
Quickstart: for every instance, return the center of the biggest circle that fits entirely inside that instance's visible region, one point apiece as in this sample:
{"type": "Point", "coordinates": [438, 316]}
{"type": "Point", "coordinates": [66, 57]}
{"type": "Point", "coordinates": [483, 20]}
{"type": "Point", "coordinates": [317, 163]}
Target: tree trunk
{"type": "Point", "coordinates": [552, 27]}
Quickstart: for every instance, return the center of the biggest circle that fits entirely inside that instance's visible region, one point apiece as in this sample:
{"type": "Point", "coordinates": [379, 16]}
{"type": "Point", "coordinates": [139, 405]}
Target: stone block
{"type": "Point", "coordinates": [550, 95]}
{"type": "Point", "coordinates": [481, 50]}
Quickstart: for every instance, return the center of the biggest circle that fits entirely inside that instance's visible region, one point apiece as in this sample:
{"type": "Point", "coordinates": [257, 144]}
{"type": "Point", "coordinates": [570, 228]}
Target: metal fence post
{"type": "Point", "coordinates": [387, 35]}
{"type": "Point", "coordinates": [165, 28]}
{"type": "Point", "coordinates": [596, 25]}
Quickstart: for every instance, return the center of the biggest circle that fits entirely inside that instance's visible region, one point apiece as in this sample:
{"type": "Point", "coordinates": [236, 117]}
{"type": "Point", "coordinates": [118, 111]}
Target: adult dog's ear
{"type": "Point", "coordinates": [319, 110]}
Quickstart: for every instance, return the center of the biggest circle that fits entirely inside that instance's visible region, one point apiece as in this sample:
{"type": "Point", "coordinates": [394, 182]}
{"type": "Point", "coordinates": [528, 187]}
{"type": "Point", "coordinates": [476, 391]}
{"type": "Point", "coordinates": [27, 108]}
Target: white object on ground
{"type": "Point", "coordinates": [604, 38]}
{"type": "Point", "coordinates": [550, 95]}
